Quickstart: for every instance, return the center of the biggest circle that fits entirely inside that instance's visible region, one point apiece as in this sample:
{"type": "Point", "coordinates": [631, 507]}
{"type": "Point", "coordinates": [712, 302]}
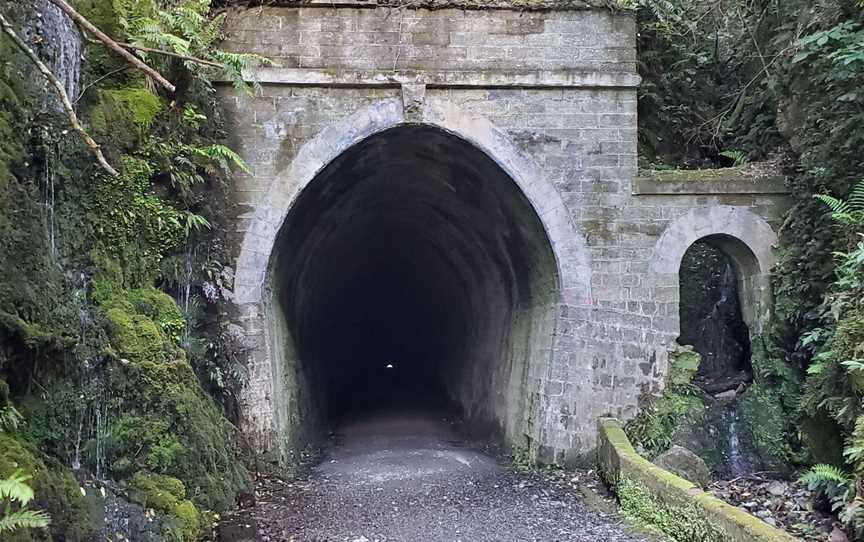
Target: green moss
{"type": "Point", "coordinates": [765, 419]}
{"type": "Point", "coordinates": [168, 424]}
{"type": "Point", "coordinates": [189, 517]}
{"type": "Point", "coordinates": [653, 430]}
{"type": "Point", "coordinates": [684, 367]}
{"type": "Point", "coordinates": [33, 306]}
{"type": "Point", "coordinates": [56, 490]}
{"type": "Point", "coordinates": [681, 523]}
{"type": "Point", "coordinates": [134, 335]}
{"type": "Point", "coordinates": [120, 219]}
{"type": "Point", "coordinates": [125, 112]}
{"type": "Point", "coordinates": [167, 495]}
{"type": "Point", "coordinates": [159, 419]}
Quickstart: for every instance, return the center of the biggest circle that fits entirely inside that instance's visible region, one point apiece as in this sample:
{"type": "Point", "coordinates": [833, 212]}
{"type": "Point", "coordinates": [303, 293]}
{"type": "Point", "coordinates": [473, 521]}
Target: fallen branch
{"type": "Point", "coordinates": [113, 45]}
{"type": "Point", "coordinates": [172, 54]}
{"type": "Point", "coordinates": [61, 91]}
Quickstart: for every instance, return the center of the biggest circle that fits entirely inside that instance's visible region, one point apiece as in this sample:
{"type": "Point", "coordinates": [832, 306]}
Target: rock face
{"type": "Point", "coordinates": [681, 461]}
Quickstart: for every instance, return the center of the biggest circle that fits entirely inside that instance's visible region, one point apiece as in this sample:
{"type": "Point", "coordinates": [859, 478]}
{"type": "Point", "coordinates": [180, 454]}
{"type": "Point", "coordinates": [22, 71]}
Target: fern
{"type": "Point", "coordinates": [10, 418]}
{"type": "Point", "coordinates": [829, 482]}
{"type": "Point", "coordinates": [822, 474]}
{"type": "Point", "coordinates": [15, 493]}
{"type": "Point", "coordinates": [24, 519]}
{"type": "Point", "coordinates": [849, 212]}
{"type": "Point", "coordinates": [738, 158]}
{"type": "Point", "coordinates": [223, 156]}
{"type": "Point", "coordinates": [186, 29]}
{"type": "Point", "coordinates": [14, 488]}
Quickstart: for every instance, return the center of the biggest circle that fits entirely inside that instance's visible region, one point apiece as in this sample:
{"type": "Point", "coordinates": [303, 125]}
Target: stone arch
{"type": "Point", "coordinates": [570, 249]}
{"type": "Point", "coordinates": [746, 238]}
{"type": "Point", "coordinates": [264, 409]}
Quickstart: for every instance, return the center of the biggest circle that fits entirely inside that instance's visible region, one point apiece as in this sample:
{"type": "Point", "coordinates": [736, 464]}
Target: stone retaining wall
{"type": "Point", "coordinates": [619, 461]}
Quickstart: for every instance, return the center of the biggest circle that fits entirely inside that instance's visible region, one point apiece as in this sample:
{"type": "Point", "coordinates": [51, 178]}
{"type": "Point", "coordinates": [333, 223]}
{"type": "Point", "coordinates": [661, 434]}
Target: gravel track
{"type": "Point", "coordinates": [407, 477]}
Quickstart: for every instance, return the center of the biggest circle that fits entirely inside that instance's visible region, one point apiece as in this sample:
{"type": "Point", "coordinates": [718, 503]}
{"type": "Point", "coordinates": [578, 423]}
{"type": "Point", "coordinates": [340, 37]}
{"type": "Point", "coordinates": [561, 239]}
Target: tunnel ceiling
{"type": "Point", "coordinates": [413, 248]}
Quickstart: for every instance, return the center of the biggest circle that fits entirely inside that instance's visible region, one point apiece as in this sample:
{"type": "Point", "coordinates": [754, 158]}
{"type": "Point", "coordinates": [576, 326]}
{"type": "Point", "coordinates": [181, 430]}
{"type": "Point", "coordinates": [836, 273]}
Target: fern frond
{"type": "Point", "coordinates": [837, 206]}
{"type": "Point", "coordinates": [823, 474]}
{"type": "Point", "coordinates": [856, 197]}
{"type": "Point", "coordinates": [24, 519]}
{"type": "Point", "coordinates": [10, 418]}
{"type": "Point", "coordinates": [15, 489]}
{"type": "Point", "coordinates": [223, 156]}
{"type": "Point", "coordinates": [738, 158]}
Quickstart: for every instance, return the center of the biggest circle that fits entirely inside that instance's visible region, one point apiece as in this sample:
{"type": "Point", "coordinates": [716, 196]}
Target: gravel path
{"type": "Point", "coordinates": [407, 478]}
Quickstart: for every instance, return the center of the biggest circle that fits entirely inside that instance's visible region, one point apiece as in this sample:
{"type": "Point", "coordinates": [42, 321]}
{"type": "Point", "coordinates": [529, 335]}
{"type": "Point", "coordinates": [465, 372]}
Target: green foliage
{"type": "Point", "coordinates": [54, 491]}
{"type": "Point", "coordinates": [166, 423]}
{"type": "Point", "coordinates": [93, 351]}
{"type": "Point", "coordinates": [766, 421]}
{"type": "Point", "coordinates": [709, 79]}
{"type": "Point", "coordinates": [681, 523]}
{"type": "Point", "coordinates": [652, 431]}
{"type": "Point", "coordinates": [847, 212]}
{"type": "Point", "coordinates": [15, 495]}
{"type": "Point", "coordinates": [738, 158]}
{"type": "Point", "coordinates": [168, 496]}
{"type": "Point", "coordinates": [829, 482]}
{"type": "Point", "coordinates": [185, 29]}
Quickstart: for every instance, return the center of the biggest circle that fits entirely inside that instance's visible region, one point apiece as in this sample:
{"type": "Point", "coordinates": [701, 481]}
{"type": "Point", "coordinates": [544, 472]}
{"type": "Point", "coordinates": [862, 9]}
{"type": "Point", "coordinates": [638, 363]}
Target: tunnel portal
{"type": "Point", "coordinates": [412, 270]}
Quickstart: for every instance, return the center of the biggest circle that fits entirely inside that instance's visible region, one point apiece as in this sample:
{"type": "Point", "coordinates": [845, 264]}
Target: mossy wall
{"type": "Point", "coordinates": [656, 426]}
{"type": "Point", "coordinates": [96, 356]}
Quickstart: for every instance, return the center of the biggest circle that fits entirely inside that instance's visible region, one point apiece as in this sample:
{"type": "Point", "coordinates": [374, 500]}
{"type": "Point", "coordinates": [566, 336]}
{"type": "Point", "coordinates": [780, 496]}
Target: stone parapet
{"type": "Point", "coordinates": [669, 494]}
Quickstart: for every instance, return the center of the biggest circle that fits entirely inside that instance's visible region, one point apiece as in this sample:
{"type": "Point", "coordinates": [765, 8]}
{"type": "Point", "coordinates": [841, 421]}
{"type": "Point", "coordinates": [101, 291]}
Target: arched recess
{"type": "Point", "coordinates": [746, 238]}
{"type": "Point", "coordinates": [277, 397]}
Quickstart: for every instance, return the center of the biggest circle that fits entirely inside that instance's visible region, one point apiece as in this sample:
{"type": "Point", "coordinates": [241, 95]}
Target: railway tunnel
{"type": "Point", "coordinates": [412, 272]}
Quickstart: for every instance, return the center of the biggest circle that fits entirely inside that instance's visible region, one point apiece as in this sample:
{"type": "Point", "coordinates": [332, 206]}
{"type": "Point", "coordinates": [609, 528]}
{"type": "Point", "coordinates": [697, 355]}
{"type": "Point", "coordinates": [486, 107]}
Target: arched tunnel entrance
{"type": "Point", "coordinates": [411, 270]}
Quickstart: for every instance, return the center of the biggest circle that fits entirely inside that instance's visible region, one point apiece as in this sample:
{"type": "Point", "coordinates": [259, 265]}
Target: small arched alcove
{"type": "Point", "coordinates": [411, 270]}
{"type": "Point", "coordinates": [713, 305]}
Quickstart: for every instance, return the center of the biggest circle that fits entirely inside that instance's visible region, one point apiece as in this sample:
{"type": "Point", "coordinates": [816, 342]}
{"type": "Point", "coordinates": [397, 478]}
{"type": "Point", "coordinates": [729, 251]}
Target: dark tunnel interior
{"type": "Point", "coordinates": [412, 270]}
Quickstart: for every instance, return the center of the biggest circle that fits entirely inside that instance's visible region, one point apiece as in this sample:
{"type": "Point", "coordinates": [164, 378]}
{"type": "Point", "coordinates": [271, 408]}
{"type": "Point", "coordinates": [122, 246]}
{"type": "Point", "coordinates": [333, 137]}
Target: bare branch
{"type": "Point", "coordinates": [61, 91]}
{"type": "Point", "coordinates": [172, 54]}
{"type": "Point", "coordinates": [113, 45]}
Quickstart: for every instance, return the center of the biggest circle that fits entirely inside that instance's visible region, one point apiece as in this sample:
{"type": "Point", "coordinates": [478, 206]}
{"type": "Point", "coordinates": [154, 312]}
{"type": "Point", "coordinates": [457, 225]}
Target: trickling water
{"type": "Point", "coordinates": [721, 335]}
{"type": "Point", "coordinates": [738, 460]}
{"type": "Point", "coordinates": [48, 201]}
{"type": "Point", "coordinates": [60, 49]}
{"type": "Point", "coordinates": [711, 321]}
{"type": "Point", "coordinates": [185, 290]}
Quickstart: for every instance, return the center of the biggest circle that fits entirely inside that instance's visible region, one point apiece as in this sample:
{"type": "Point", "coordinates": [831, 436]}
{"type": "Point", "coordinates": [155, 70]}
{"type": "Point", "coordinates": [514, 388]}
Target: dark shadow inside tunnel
{"type": "Point", "coordinates": [412, 271]}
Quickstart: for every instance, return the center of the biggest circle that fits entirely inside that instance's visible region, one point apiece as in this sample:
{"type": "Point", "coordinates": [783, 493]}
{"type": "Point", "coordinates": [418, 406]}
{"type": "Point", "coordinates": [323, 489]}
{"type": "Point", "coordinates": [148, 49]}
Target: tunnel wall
{"type": "Point", "coordinates": [550, 96]}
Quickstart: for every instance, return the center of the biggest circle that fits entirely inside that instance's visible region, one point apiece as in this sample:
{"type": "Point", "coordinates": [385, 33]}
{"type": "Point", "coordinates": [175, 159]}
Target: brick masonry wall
{"type": "Point", "coordinates": [561, 86]}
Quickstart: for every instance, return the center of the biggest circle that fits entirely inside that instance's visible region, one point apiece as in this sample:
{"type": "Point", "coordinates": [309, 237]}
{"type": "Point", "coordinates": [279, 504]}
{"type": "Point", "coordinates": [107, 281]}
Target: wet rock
{"type": "Point", "coordinates": [726, 396]}
{"type": "Point", "coordinates": [777, 488]}
{"type": "Point", "coordinates": [686, 464]}
{"type": "Point", "coordinates": [837, 535]}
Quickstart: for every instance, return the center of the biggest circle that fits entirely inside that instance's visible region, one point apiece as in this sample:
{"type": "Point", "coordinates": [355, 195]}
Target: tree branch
{"type": "Point", "coordinates": [171, 54]}
{"type": "Point", "coordinates": [155, 51]}
{"type": "Point", "coordinates": [113, 45]}
{"type": "Point", "coordinates": [61, 91]}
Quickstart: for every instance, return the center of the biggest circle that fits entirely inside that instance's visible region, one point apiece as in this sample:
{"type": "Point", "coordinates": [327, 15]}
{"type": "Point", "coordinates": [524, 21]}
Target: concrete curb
{"type": "Point", "coordinates": [618, 460]}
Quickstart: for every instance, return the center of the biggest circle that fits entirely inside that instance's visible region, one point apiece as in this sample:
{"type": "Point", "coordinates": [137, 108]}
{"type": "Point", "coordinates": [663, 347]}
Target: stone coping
{"type": "Point", "coordinates": [440, 79]}
{"type": "Point", "coordinates": [708, 182]}
{"type": "Point", "coordinates": [519, 5]}
{"type": "Point", "coordinates": [618, 459]}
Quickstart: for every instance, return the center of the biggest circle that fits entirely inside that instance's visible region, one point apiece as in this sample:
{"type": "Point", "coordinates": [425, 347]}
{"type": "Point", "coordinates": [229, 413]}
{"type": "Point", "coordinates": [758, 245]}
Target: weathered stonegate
{"type": "Point", "coordinates": [454, 191]}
